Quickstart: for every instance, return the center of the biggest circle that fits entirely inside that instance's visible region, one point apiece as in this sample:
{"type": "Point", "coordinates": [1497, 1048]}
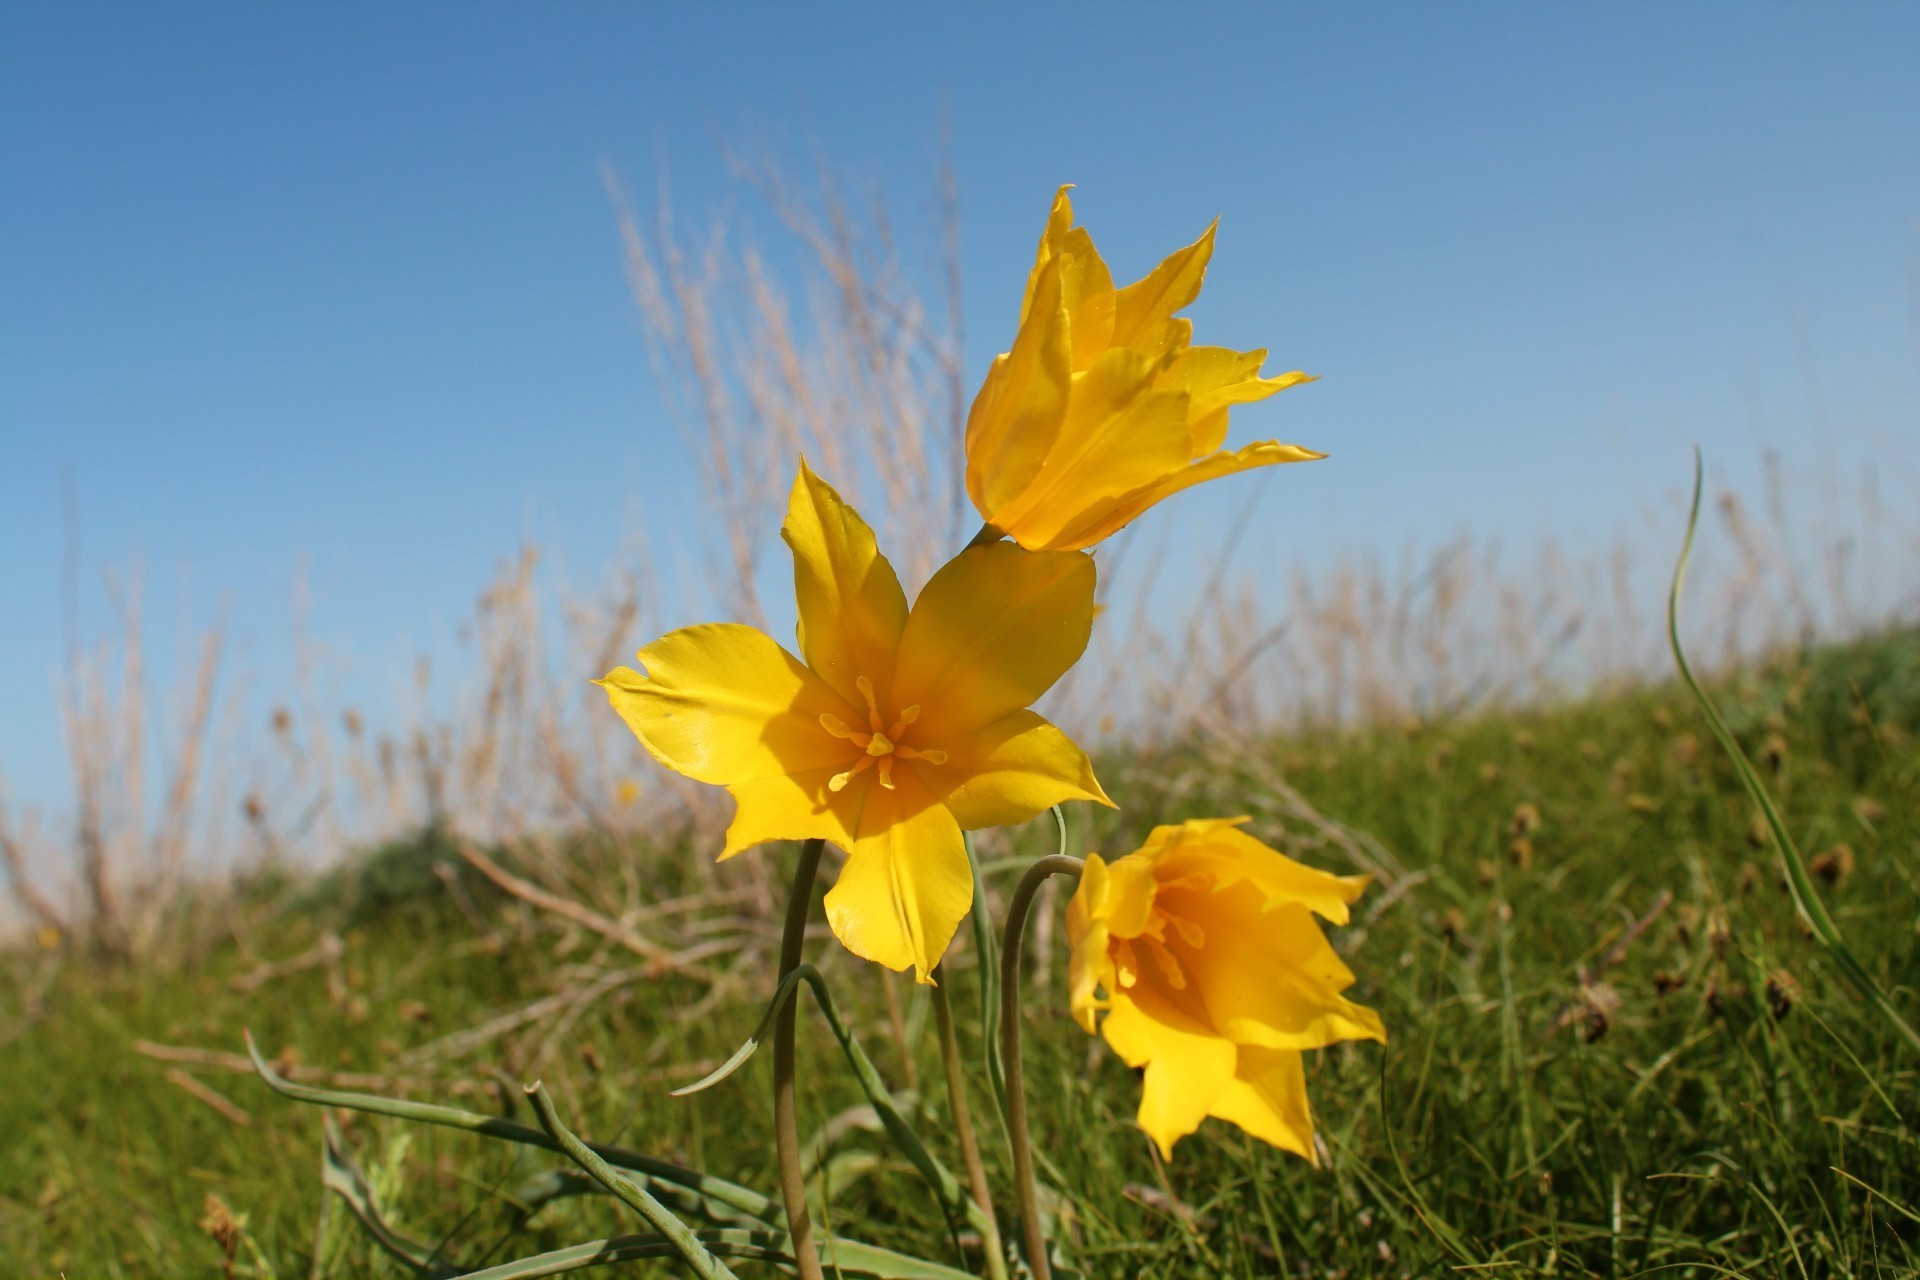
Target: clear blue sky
{"type": "Point", "coordinates": [341, 281]}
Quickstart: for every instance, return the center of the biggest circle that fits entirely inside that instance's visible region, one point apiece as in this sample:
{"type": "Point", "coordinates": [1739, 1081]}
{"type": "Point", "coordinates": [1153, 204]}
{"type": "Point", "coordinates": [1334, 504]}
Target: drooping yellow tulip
{"type": "Point", "coordinates": [1103, 406]}
{"type": "Point", "coordinates": [1215, 977]}
{"type": "Point", "coordinates": [893, 730]}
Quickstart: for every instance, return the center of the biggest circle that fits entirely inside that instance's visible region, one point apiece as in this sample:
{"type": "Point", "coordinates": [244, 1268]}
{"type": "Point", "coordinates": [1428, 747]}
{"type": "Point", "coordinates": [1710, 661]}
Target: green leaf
{"type": "Point", "coordinates": [685, 1243]}
{"type": "Point", "coordinates": [848, 1257]}
{"type": "Point", "coordinates": [728, 1202]}
{"type": "Point", "coordinates": [340, 1175]}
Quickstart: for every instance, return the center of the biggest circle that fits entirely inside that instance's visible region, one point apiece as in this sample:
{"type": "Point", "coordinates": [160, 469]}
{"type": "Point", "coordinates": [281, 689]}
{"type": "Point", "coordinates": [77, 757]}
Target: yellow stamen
{"type": "Point", "coordinates": [1126, 965]}
{"type": "Point", "coordinates": [931, 757]}
{"type": "Point", "coordinates": [839, 728]}
{"type": "Point", "coordinates": [873, 704]}
{"type": "Point", "coordinates": [839, 781]}
{"type": "Point", "coordinates": [880, 745]}
{"type": "Point", "coordinates": [1190, 933]}
{"type": "Point", "coordinates": [1169, 967]}
{"type": "Point", "coordinates": [886, 770]}
{"type": "Point", "coordinates": [907, 717]}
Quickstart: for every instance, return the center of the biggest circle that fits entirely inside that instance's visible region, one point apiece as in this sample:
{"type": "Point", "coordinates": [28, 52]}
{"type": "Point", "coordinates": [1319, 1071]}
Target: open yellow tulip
{"type": "Point", "coordinates": [899, 729]}
{"type": "Point", "coordinates": [1103, 406]}
{"type": "Point", "coordinates": [1216, 977]}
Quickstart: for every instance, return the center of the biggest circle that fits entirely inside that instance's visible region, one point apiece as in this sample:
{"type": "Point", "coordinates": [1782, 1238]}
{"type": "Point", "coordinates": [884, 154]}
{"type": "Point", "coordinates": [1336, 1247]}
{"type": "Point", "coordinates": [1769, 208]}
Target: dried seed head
{"type": "Point", "coordinates": [1526, 819]}
{"type": "Point", "coordinates": [1774, 752]}
{"type": "Point", "coordinates": [1869, 811]}
{"type": "Point", "coordinates": [1520, 853]}
{"type": "Point", "coordinates": [1642, 804]}
{"type": "Point", "coordinates": [1662, 719]}
{"type": "Point", "coordinates": [1666, 984]}
{"type": "Point", "coordinates": [1758, 833]}
{"type": "Point", "coordinates": [1749, 877]}
{"type": "Point", "coordinates": [1835, 865]}
{"type": "Point", "coordinates": [1523, 740]}
{"type": "Point", "coordinates": [1719, 931]}
{"type": "Point", "coordinates": [219, 1223]}
{"type": "Point", "coordinates": [1685, 749]}
{"type": "Point", "coordinates": [1453, 923]}
{"type": "Point", "coordinates": [1486, 871]}
{"type": "Point", "coordinates": [350, 721]}
{"type": "Point", "coordinates": [1489, 773]}
{"type": "Point", "coordinates": [1782, 993]}
{"type": "Point", "coordinates": [282, 720]}
{"type": "Point", "coordinates": [252, 808]}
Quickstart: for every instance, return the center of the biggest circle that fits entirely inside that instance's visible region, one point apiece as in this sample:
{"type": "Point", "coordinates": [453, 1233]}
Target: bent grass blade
{"type": "Point", "coordinates": [1806, 898]}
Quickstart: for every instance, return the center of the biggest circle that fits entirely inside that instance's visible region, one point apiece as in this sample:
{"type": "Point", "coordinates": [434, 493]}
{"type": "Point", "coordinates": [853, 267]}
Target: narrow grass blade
{"type": "Point", "coordinates": [677, 1233]}
{"type": "Point", "coordinates": [781, 995]}
{"type": "Point", "coordinates": [1806, 898]}
{"type": "Point", "coordinates": [730, 1201]}
{"type": "Point", "coordinates": [340, 1175]}
{"type": "Point", "coordinates": [868, 1262]}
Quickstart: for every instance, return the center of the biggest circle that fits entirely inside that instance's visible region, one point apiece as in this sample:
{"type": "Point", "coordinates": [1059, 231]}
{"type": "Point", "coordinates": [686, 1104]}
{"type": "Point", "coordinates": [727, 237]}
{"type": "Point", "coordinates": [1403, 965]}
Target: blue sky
{"type": "Point", "coordinates": [339, 284]}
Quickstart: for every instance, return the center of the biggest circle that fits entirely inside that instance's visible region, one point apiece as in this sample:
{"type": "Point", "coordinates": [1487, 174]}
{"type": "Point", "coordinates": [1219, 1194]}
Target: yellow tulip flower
{"type": "Point", "coordinates": [894, 730]}
{"type": "Point", "coordinates": [1103, 406]}
{"type": "Point", "coordinates": [1215, 977]}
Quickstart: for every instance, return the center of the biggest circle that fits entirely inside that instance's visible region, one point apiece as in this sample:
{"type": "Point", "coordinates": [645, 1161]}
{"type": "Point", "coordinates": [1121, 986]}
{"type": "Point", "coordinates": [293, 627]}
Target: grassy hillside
{"type": "Point", "coordinates": [1614, 1050]}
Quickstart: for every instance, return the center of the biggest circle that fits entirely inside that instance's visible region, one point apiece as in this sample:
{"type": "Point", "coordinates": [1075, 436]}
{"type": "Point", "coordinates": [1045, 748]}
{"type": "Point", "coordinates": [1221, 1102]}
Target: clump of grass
{"type": "Point", "coordinates": [1625, 1056]}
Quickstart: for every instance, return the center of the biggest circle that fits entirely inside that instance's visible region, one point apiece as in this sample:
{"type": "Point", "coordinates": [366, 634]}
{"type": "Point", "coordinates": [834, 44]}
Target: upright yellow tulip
{"type": "Point", "coordinates": [899, 729]}
{"type": "Point", "coordinates": [1103, 406]}
{"type": "Point", "coordinates": [1215, 976]}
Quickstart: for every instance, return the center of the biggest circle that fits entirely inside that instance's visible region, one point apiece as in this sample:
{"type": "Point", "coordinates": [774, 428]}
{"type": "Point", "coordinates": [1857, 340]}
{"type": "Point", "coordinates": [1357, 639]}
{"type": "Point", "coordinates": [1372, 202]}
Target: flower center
{"type": "Point", "coordinates": [880, 745]}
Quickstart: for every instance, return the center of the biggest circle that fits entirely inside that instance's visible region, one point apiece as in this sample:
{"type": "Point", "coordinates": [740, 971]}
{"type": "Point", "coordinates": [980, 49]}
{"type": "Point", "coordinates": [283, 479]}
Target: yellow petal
{"type": "Point", "coordinates": [1216, 379]}
{"type": "Point", "coordinates": [1089, 967]}
{"type": "Point", "coordinates": [907, 883]}
{"type": "Point", "coordinates": [1101, 520]}
{"type": "Point", "coordinates": [1059, 222]}
{"type": "Point", "coordinates": [784, 808]}
{"type": "Point", "coordinates": [722, 703]}
{"type": "Point", "coordinates": [1087, 286]}
{"type": "Point", "coordinates": [1118, 435]}
{"type": "Point", "coordinates": [1265, 977]}
{"type": "Point", "coordinates": [1188, 1067]}
{"type": "Point", "coordinates": [851, 605]}
{"type": "Point", "coordinates": [1142, 309]}
{"type": "Point", "coordinates": [992, 631]}
{"type": "Point", "coordinates": [1009, 771]}
{"type": "Point", "coordinates": [1268, 1098]}
{"type": "Point", "coordinates": [1217, 848]}
{"type": "Point", "coordinates": [1018, 412]}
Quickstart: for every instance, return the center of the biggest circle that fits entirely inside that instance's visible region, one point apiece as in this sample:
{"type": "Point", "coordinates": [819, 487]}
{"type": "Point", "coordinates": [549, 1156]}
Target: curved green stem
{"type": "Point", "coordinates": [1014, 934]}
{"type": "Point", "coordinates": [963, 1129]}
{"type": "Point", "coordinates": [786, 1120]}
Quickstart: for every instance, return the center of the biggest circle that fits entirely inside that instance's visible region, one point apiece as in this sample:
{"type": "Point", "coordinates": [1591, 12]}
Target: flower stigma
{"type": "Point", "coordinates": [881, 745]}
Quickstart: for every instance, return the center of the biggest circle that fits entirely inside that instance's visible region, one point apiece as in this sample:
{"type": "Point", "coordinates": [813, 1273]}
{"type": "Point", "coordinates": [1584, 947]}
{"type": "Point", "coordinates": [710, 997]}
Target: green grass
{"type": "Point", "coordinates": [1717, 1101]}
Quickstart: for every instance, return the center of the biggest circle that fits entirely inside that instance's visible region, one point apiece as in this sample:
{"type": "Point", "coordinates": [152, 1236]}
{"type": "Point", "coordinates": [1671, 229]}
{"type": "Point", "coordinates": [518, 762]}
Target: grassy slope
{"type": "Point", "coordinates": [1739, 1118]}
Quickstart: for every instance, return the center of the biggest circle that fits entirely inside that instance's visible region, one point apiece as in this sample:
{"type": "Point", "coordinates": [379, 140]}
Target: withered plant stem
{"type": "Point", "coordinates": [786, 1120]}
{"type": "Point", "coordinates": [1058, 864]}
{"type": "Point", "coordinates": [963, 1127]}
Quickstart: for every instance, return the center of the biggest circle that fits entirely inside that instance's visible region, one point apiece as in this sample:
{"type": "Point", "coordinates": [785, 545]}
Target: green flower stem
{"type": "Point", "coordinates": [786, 1120]}
{"type": "Point", "coordinates": [963, 1128]}
{"type": "Point", "coordinates": [1015, 932]}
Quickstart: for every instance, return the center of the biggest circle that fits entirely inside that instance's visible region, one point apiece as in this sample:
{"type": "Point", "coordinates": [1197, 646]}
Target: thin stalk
{"type": "Point", "coordinates": [1015, 931]}
{"type": "Point", "coordinates": [1806, 897]}
{"type": "Point", "coordinates": [786, 1119]}
{"type": "Point", "coordinates": [963, 1129]}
